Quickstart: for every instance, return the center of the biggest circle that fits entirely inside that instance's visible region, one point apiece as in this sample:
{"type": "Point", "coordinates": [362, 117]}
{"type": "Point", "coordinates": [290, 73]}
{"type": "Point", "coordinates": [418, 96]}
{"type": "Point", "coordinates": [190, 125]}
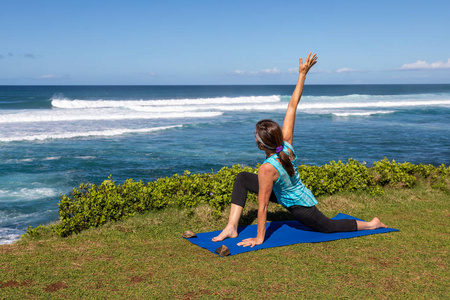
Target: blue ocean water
{"type": "Point", "coordinates": [52, 138]}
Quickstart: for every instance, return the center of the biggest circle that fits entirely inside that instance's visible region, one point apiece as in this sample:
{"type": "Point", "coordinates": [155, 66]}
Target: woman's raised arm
{"type": "Point", "coordinates": [289, 119]}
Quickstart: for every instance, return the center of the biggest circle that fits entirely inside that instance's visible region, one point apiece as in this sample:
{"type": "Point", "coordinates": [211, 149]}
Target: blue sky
{"type": "Point", "coordinates": [223, 42]}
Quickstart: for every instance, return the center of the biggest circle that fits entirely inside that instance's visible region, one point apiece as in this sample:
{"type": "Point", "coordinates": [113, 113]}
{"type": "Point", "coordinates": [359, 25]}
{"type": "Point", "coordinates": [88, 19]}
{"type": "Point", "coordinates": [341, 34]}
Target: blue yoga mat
{"type": "Point", "coordinates": [279, 234]}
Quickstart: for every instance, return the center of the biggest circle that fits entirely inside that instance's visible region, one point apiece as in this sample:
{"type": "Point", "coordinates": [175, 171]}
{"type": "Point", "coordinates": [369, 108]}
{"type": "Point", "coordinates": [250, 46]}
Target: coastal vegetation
{"type": "Point", "coordinates": [144, 256]}
{"type": "Point", "coordinates": [91, 205]}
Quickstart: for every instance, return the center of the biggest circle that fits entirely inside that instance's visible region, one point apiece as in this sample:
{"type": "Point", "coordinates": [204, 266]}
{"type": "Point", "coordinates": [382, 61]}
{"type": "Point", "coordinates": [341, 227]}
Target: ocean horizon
{"type": "Point", "coordinates": [52, 138]}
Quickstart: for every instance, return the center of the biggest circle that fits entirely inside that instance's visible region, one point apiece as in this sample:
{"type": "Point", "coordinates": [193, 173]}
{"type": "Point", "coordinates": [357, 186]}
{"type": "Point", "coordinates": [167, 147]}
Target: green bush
{"type": "Point", "coordinates": [393, 174]}
{"type": "Point", "coordinates": [91, 205]}
{"type": "Point", "coordinates": [336, 177]}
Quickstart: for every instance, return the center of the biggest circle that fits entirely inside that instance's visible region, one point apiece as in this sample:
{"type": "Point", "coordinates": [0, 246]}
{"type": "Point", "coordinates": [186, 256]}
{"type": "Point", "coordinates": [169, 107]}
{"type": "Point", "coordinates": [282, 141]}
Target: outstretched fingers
{"type": "Point", "coordinates": [252, 242]}
{"type": "Point", "coordinates": [314, 59]}
{"type": "Point", "coordinates": [310, 61]}
{"type": "Point", "coordinates": [309, 55]}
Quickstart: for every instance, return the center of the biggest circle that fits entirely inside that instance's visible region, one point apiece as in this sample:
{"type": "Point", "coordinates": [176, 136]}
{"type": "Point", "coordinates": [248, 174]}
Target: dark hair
{"type": "Point", "coordinates": [271, 135]}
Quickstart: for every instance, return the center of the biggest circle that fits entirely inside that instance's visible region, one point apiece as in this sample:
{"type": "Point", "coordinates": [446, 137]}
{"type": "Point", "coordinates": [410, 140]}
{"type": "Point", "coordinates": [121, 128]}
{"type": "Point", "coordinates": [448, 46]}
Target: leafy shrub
{"type": "Point", "coordinates": [391, 173]}
{"type": "Point", "coordinates": [336, 177]}
{"type": "Point", "coordinates": [91, 205]}
{"type": "Point", "coordinates": [35, 232]}
{"type": "Point", "coordinates": [440, 178]}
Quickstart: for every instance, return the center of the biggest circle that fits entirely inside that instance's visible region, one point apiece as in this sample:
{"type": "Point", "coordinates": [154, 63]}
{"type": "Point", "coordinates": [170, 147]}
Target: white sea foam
{"type": "Point", "coordinates": [96, 115]}
{"type": "Point", "coordinates": [52, 158]}
{"type": "Point", "coordinates": [69, 135]}
{"type": "Point", "coordinates": [16, 219]}
{"type": "Point", "coordinates": [27, 160]}
{"type": "Point", "coordinates": [67, 103]}
{"type": "Point", "coordinates": [62, 122]}
{"type": "Point", "coordinates": [254, 102]}
{"type": "Point", "coordinates": [103, 110]}
{"type": "Point", "coordinates": [9, 236]}
{"type": "Point", "coordinates": [377, 98]}
{"type": "Point", "coordinates": [24, 194]}
{"type": "Point", "coordinates": [379, 104]}
{"type": "Point", "coordinates": [15, 161]}
{"type": "Point", "coordinates": [221, 108]}
{"type": "Point", "coordinates": [365, 113]}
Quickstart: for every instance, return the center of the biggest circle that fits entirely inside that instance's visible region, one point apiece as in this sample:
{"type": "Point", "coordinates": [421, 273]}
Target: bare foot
{"type": "Point", "coordinates": [228, 232]}
{"type": "Point", "coordinates": [376, 223]}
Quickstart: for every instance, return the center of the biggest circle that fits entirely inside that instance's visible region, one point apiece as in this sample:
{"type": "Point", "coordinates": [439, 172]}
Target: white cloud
{"type": "Point", "coordinates": [274, 71]}
{"type": "Point", "coordinates": [268, 71]}
{"type": "Point", "coordinates": [347, 70]}
{"type": "Point", "coordinates": [48, 76]}
{"type": "Point", "coordinates": [423, 65]}
{"type": "Point", "coordinates": [237, 72]}
{"type": "Point", "coordinates": [52, 76]}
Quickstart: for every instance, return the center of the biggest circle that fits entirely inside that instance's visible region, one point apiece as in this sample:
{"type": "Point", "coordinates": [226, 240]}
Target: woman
{"type": "Point", "coordinates": [278, 179]}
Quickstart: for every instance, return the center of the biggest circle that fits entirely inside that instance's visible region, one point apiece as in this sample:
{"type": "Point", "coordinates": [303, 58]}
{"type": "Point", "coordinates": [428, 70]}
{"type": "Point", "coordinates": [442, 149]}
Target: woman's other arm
{"type": "Point", "coordinates": [267, 175]}
{"type": "Point", "coordinates": [289, 119]}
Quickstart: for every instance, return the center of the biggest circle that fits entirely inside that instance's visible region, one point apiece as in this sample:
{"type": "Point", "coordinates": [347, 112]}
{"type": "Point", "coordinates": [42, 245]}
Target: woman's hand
{"type": "Point", "coordinates": [252, 242]}
{"type": "Point", "coordinates": [289, 118]}
{"type": "Point", "coordinates": [310, 61]}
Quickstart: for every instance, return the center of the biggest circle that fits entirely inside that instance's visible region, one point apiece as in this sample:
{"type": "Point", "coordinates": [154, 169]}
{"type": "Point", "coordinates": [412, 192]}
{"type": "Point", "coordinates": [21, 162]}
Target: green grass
{"type": "Point", "coordinates": [144, 257]}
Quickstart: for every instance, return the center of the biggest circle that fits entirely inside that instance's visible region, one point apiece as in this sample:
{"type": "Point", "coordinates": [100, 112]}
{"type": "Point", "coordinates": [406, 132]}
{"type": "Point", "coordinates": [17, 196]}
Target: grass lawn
{"type": "Point", "coordinates": [144, 257]}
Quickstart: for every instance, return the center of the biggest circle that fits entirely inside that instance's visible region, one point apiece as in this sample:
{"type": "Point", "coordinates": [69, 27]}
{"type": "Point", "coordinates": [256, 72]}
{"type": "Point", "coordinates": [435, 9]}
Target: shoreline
{"type": "Point", "coordinates": [132, 197]}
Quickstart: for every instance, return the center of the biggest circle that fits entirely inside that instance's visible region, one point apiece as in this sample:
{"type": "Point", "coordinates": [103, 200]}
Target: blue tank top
{"type": "Point", "coordinates": [290, 190]}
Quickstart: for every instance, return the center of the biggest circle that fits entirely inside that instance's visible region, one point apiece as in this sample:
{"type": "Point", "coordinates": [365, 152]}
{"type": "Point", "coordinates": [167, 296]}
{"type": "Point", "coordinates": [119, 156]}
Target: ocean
{"type": "Point", "coordinates": [52, 138]}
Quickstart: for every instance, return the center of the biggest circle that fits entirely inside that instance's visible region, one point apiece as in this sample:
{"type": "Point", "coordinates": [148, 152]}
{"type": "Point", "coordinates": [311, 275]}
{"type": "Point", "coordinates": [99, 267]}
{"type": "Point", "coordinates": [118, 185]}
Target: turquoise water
{"type": "Point", "coordinates": [52, 138]}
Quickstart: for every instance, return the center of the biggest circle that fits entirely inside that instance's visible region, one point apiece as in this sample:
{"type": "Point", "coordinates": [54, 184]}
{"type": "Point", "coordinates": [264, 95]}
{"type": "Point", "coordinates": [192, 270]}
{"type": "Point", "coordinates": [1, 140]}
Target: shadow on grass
{"type": "Point", "coordinates": [248, 217]}
{"type": "Point", "coordinates": [251, 215]}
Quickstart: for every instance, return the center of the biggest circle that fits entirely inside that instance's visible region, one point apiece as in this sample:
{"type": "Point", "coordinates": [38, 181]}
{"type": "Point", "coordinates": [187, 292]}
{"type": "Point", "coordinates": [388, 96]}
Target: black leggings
{"type": "Point", "coordinates": [308, 216]}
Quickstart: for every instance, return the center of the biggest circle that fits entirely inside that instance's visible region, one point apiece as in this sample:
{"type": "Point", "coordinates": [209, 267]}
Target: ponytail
{"type": "Point", "coordinates": [269, 133]}
{"type": "Point", "coordinates": [286, 163]}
